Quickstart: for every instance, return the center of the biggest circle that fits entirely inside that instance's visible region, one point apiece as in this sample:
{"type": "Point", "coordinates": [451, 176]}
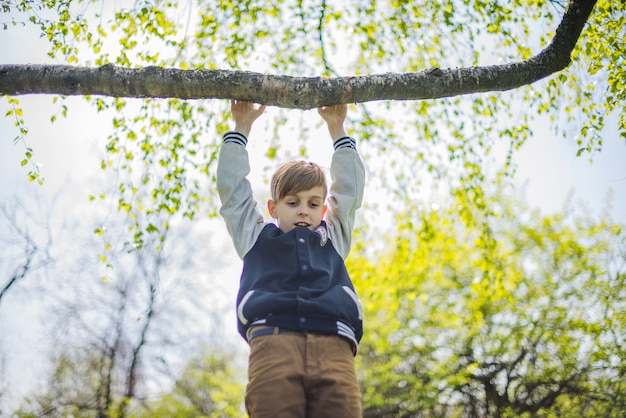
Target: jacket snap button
{"type": "Point", "coordinates": [305, 267]}
{"type": "Point", "coordinates": [301, 240]}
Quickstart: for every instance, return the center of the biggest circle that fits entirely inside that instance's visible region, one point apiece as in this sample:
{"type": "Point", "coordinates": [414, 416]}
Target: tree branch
{"type": "Point", "coordinates": [298, 92]}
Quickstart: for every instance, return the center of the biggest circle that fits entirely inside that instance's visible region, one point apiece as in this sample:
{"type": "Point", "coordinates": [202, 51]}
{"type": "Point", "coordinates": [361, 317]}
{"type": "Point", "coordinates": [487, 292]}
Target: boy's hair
{"type": "Point", "coordinates": [296, 176]}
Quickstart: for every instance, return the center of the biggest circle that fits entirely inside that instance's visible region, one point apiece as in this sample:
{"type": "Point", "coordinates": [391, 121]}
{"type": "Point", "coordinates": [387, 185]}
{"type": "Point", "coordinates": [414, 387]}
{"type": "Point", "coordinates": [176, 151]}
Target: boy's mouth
{"type": "Point", "coordinates": [304, 224]}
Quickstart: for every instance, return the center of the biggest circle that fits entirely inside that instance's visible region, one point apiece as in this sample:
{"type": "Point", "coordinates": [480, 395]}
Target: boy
{"type": "Point", "coordinates": [296, 305]}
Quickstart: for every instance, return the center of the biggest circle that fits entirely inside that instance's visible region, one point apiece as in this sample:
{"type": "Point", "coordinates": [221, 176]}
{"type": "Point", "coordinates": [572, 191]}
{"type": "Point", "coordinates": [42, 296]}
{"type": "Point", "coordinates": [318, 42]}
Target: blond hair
{"type": "Point", "coordinates": [295, 176]}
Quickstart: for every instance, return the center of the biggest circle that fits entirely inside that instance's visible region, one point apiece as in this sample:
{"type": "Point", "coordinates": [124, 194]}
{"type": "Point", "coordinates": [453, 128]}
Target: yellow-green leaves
{"type": "Point", "coordinates": [458, 320]}
{"type": "Point", "coordinates": [16, 112]}
{"type": "Point", "coordinates": [210, 386]}
{"type": "Point", "coordinates": [156, 150]}
{"type": "Point", "coordinates": [596, 82]}
{"type": "Point", "coordinates": [162, 158]}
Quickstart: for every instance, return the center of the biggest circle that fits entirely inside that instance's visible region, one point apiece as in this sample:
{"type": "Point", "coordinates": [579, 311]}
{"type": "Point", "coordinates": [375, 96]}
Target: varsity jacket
{"type": "Point", "coordinates": [297, 279]}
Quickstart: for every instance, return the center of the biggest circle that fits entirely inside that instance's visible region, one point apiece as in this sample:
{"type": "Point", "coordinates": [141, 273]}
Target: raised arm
{"type": "Point", "coordinates": [239, 209]}
{"type": "Point", "coordinates": [348, 180]}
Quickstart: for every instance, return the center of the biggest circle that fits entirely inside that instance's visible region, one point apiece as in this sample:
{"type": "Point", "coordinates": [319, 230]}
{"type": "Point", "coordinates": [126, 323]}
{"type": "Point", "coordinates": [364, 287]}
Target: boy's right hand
{"type": "Point", "coordinates": [334, 117]}
{"type": "Point", "coordinates": [244, 114]}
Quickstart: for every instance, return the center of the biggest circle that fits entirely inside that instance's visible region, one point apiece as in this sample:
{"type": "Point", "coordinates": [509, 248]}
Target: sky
{"type": "Point", "coordinates": [552, 174]}
{"type": "Point", "coordinates": [69, 151]}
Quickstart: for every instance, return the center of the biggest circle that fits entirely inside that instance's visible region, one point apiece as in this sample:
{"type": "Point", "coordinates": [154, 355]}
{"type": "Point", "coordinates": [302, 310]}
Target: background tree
{"type": "Point", "coordinates": [121, 331]}
{"type": "Point", "coordinates": [209, 386]}
{"type": "Point", "coordinates": [26, 255]}
{"type": "Point", "coordinates": [25, 241]}
{"type": "Point", "coordinates": [530, 323]}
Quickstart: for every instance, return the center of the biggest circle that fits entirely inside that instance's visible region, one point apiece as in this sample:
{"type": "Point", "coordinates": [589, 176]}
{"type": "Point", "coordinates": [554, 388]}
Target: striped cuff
{"type": "Point", "coordinates": [344, 142]}
{"type": "Point", "coordinates": [236, 137]}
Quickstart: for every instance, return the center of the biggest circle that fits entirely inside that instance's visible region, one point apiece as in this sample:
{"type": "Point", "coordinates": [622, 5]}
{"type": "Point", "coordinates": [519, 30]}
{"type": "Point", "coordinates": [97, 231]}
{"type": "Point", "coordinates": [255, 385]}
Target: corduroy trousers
{"type": "Point", "coordinates": [307, 375]}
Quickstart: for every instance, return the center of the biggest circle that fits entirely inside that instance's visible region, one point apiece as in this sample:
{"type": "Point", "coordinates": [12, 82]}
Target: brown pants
{"type": "Point", "coordinates": [303, 375]}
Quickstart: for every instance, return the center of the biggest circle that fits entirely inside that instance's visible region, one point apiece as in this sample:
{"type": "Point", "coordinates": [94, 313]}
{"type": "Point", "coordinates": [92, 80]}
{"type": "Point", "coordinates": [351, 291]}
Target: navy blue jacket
{"type": "Point", "coordinates": [297, 280]}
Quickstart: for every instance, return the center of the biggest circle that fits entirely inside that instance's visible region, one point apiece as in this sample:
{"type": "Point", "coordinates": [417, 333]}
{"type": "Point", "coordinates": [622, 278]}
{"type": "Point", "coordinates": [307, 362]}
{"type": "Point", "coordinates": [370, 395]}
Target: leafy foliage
{"type": "Point", "coordinates": [155, 148]}
{"type": "Point", "coordinates": [209, 387]}
{"type": "Point", "coordinates": [110, 344]}
{"type": "Point", "coordinates": [518, 315]}
{"type": "Point", "coordinates": [528, 324]}
{"type": "Point", "coordinates": [74, 389]}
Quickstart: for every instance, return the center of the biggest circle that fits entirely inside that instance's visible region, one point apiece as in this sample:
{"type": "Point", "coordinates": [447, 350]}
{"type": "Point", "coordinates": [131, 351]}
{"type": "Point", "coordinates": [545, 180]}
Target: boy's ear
{"type": "Point", "coordinates": [271, 208]}
{"type": "Point", "coordinates": [324, 212]}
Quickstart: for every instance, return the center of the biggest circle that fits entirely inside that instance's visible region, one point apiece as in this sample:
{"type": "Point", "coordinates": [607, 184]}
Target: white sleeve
{"type": "Point", "coordinates": [345, 197]}
{"type": "Point", "coordinates": [239, 209]}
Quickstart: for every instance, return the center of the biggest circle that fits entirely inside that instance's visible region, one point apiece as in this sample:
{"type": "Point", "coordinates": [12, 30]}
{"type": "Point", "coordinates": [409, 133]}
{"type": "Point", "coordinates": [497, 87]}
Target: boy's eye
{"type": "Point", "coordinates": [292, 203]}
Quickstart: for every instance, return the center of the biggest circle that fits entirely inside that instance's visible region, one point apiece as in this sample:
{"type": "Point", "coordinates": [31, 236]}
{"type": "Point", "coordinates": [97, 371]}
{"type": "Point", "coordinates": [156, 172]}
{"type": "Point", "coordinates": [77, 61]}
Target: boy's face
{"type": "Point", "coordinates": [305, 208]}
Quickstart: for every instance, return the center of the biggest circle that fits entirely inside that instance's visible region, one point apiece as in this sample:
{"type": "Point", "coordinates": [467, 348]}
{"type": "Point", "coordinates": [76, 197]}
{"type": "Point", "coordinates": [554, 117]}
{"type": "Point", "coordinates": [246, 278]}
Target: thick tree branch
{"type": "Point", "coordinates": [298, 92]}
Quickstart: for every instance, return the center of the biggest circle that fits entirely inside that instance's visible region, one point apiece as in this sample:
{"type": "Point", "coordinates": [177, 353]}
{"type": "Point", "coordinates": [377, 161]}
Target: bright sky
{"type": "Point", "coordinates": [551, 171]}
{"type": "Point", "coordinates": [69, 152]}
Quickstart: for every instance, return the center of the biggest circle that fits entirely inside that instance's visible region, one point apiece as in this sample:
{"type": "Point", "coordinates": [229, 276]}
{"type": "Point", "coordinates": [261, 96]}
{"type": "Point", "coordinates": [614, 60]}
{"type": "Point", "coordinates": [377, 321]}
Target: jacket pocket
{"type": "Point", "coordinates": [355, 299]}
{"type": "Point", "coordinates": [240, 315]}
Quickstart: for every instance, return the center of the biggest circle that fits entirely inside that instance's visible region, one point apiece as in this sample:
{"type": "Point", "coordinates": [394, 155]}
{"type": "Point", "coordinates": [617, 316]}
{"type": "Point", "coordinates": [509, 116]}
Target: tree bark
{"type": "Point", "coordinates": [298, 92]}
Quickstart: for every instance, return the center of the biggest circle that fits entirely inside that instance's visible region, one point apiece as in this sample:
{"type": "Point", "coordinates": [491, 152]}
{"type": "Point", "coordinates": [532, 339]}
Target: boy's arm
{"type": "Point", "coordinates": [346, 194]}
{"type": "Point", "coordinates": [348, 181]}
{"type": "Point", "coordinates": [239, 209]}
